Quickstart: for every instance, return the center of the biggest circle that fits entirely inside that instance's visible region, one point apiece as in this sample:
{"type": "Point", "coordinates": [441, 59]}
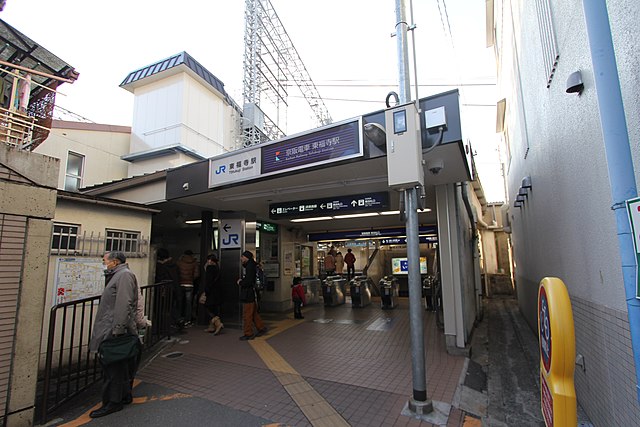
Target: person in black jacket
{"type": "Point", "coordinates": [167, 272]}
{"type": "Point", "coordinates": [247, 285]}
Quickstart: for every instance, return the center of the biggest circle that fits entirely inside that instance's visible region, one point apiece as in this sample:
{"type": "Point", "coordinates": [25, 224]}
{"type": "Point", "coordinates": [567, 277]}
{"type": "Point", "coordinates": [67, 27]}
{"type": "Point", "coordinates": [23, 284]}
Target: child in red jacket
{"type": "Point", "coordinates": [298, 297]}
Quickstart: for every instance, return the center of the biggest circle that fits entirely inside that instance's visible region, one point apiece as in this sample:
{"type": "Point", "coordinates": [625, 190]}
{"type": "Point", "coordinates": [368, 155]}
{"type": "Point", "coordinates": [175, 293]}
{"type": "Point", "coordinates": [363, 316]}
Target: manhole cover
{"type": "Point", "coordinates": [173, 355]}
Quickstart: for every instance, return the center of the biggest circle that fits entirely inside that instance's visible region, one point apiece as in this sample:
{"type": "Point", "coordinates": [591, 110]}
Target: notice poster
{"type": "Point", "coordinates": [77, 278]}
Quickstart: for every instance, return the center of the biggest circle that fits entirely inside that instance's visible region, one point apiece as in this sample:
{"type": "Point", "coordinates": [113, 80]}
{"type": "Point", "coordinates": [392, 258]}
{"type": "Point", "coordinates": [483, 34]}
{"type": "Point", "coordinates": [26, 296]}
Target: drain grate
{"type": "Point", "coordinates": [173, 355]}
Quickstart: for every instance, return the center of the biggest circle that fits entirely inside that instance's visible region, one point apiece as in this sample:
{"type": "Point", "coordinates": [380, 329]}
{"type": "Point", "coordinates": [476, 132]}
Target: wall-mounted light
{"type": "Point", "coordinates": [523, 192]}
{"type": "Point", "coordinates": [574, 83]}
{"type": "Point", "coordinates": [526, 182]}
{"type": "Point", "coordinates": [520, 198]}
{"type": "Point", "coordinates": [517, 204]}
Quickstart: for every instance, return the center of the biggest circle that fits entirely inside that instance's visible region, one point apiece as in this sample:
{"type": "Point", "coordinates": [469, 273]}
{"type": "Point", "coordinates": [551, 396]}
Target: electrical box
{"type": "Point", "coordinates": [404, 146]}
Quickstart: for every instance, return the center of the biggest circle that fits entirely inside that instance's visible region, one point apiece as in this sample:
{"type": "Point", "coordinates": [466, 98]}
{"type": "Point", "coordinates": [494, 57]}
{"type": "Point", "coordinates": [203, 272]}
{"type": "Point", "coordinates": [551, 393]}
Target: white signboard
{"type": "Point", "coordinates": [77, 278]}
{"type": "Point", "coordinates": [633, 207]}
{"type": "Point", "coordinates": [230, 231]}
{"type": "Point", "coordinates": [237, 167]}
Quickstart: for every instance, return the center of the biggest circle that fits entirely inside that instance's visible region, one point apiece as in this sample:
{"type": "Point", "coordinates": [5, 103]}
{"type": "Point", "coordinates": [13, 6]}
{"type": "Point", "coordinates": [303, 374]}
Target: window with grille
{"type": "Point", "coordinates": [124, 241]}
{"type": "Point", "coordinates": [65, 238]}
{"type": "Point", "coordinates": [75, 168]}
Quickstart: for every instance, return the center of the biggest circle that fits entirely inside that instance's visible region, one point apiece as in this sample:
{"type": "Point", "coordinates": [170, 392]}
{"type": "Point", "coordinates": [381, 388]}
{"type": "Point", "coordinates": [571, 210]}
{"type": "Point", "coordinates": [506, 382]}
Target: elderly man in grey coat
{"type": "Point", "coordinates": [116, 316]}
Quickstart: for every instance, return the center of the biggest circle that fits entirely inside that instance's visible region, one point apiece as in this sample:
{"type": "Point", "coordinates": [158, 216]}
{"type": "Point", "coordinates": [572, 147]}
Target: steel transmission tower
{"type": "Point", "coordinates": [271, 66]}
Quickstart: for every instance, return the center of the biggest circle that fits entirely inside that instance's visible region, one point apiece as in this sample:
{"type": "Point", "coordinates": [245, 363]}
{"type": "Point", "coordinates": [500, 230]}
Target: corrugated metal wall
{"type": "Point", "coordinates": [13, 231]}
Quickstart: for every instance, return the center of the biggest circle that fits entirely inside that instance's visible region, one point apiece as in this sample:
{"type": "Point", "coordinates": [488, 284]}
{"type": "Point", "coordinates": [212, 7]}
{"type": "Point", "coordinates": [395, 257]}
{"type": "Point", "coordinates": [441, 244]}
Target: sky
{"type": "Point", "coordinates": [345, 45]}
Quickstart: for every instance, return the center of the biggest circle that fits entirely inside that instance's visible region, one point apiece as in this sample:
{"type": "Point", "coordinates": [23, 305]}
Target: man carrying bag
{"type": "Point", "coordinates": [114, 336]}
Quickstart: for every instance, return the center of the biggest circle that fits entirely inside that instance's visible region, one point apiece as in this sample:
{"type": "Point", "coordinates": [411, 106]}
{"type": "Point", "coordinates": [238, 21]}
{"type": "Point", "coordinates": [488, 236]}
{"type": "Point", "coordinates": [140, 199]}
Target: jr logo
{"type": "Point", "coordinates": [221, 169]}
{"type": "Point", "coordinates": [231, 238]}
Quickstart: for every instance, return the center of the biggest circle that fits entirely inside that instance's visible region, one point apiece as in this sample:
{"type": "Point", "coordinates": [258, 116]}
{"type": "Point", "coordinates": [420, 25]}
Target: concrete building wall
{"type": "Point", "coordinates": [32, 204]}
{"type": "Point", "coordinates": [566, 227]}
{"type": "Point", "coordinates": [101, 145]}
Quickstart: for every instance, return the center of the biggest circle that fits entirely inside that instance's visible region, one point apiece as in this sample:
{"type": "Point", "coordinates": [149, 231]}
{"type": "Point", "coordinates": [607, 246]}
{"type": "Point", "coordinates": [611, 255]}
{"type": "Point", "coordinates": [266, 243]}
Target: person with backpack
{"type": "Point", "coordinates": [247, 283]}
{"type": "Point", "coordinates": [298, 297]}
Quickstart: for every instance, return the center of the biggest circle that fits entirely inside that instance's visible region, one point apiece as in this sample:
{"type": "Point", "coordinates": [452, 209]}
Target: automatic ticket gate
{"type": "Point", "coordinates": [312, 287]}
{"type": "Point", "coordinates": [388, 292]}
{"type": "Point", "coordinates": [333, 291]}
{"type": "Point", "coordinates": [360, 292]}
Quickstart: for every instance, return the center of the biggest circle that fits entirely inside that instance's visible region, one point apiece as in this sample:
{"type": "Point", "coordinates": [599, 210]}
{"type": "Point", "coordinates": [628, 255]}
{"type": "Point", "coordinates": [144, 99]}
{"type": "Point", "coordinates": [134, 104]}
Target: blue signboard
{"type": "Point", "coordinates": [323, 146]}
{"type": "Point", "coordinates": [371, 202]}
{"type": "Point", "coordinates": [403, 240]}
{"type": "Point", "coordinates": [371, 233]}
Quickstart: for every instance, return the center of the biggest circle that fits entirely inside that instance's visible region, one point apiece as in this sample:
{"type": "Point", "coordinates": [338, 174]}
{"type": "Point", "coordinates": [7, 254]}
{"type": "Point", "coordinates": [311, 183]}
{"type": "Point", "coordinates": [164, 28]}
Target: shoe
{"type": "Point", "coordinates": [246, 337]}
{"type": "Point", "coordinates": [212, 326]}
{"type": "Point", "coordinates": [261, 332]}
{"type": "Point", "coordinates": [127, 399]}
{"type": "Point", "coordinates": [107, 409]}
{"type": "Point", "coordinates": [217, 325]}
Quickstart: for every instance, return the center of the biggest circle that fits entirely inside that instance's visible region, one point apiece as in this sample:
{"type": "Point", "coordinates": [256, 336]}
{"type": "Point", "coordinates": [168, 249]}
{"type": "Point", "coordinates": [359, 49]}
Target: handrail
{"type": "Point", "coordinates": [77, 368]}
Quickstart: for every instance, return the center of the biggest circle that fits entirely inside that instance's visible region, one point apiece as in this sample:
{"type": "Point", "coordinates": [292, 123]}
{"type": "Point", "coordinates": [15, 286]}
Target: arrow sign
{"type": "Point", "coordinates": [371, 202]}
{"type": "Point", "coordinates": [226, 227]}
{"type": "Point", "coordinates": [230, 234]}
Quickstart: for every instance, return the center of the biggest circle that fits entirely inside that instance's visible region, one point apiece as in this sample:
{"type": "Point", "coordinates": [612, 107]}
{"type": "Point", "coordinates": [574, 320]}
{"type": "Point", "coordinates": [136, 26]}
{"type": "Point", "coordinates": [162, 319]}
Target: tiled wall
{"type": "Point", "coordinates": [606, 389]}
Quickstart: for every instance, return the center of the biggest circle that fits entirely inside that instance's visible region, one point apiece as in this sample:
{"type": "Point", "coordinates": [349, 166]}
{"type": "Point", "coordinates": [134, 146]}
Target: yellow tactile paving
{"type": "Point", "coordinates": [313, 406]}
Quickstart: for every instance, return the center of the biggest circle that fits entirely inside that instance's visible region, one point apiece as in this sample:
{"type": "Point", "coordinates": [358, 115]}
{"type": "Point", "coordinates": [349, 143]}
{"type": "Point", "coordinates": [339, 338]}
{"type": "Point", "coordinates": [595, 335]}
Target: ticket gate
{"type": "Point", "coordinates": [333, 291]}
{"type": "Point", "coordinates": [312, 287]}
{"type": "Point", "coordinates": [388, 292]}
{"type": "Point", "coordinates": [360, 292]}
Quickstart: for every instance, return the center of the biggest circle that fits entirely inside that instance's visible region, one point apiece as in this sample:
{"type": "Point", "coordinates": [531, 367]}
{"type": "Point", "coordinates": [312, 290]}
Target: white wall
{"type": "Point", "coordinates": [566, 227]}
{"type": "Point", "coordinates": [102, 146]}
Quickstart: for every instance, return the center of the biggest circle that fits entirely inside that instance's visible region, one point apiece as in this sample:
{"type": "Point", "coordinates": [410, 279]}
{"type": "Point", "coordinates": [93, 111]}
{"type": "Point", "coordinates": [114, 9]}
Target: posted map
{"type": "Point", "coordinates": [78, 278]}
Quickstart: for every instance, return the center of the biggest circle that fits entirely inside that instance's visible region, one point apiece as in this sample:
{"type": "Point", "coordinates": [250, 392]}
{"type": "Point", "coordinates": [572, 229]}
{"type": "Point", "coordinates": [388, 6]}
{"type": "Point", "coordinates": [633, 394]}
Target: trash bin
{"type": "Point", "coordinates": [388, 292]}
{"type": "Point", "coordinates": [311, 289]}
{"type": "Point", "coordinates": [333, 291]}
{"type": "Point", "coordinates": [360, 292]}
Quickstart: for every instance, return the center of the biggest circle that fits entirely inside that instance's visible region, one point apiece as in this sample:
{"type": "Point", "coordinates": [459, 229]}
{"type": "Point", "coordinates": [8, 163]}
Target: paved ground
{"type": "Point", "coordinates": [338, 366]}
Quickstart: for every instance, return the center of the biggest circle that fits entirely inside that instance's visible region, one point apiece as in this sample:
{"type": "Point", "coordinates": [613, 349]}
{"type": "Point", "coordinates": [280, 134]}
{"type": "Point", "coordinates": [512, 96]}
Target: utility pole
{"type": "Point", "coordinates": [418, 404]}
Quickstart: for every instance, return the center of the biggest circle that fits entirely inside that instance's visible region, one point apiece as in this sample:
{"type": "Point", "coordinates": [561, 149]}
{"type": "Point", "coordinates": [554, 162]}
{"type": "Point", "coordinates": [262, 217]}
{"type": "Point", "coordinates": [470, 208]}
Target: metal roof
{"type": "Point", "coordinates": [20, 49]}
{"type": "Point", "coordinates": [182, 58]}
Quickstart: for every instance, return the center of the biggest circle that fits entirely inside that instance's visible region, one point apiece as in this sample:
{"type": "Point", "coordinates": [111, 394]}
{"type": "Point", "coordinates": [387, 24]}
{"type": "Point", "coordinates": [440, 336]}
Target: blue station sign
{"type": "Point", "coordinates": [327, 145]}
{"type": "Point", "coordinates": [361, 203]}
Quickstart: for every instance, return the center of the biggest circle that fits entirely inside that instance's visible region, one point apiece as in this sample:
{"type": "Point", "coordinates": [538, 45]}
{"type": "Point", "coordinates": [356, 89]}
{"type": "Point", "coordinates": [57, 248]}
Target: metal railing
{"type": "Point", "coordinates": [69, 367]}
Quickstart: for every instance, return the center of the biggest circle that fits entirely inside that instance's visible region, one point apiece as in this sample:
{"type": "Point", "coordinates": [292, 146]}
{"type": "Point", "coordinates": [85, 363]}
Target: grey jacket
{"type": "Point", "coordinates": [117, 310]}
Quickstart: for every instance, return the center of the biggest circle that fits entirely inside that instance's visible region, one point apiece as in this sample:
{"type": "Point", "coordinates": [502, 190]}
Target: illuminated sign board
{"type": "Point", "coordinates": [266, 227]}
{"type": "Point", "coordinates": [326, 145]}
{"type": "Point", "coordinates": [371, 202]}
{"type": "Point", "coordinates": [237, 167]}
{"type": "Point", "coordinates": [367, 234]}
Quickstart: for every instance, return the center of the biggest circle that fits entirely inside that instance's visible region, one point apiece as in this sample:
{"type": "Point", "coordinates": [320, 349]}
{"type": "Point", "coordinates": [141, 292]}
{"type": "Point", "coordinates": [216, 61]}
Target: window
{"type": "Point", "coordinates": [75, 168]}
{"type": "Point", "coordinates": [124, 241]}
{"type": "Point", "coordinates": [65, 238]}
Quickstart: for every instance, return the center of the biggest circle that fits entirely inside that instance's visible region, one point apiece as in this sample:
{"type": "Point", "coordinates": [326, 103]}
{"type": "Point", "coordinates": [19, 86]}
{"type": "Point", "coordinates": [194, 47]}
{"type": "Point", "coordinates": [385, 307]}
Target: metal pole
{"type": "Point", "coordinates": [418, 403]}
{"type": "Point", "coordinates": [618, 153]}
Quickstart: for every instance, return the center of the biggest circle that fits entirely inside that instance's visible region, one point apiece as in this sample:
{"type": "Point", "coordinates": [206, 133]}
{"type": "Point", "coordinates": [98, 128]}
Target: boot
{"type": "Point", "coordinates": [212, 325]}
{"type": "Point", "coordinates": [217, 325]}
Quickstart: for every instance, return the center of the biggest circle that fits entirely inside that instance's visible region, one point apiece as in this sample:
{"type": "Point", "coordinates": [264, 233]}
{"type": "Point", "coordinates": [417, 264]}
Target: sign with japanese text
{"type": "Point", "coordinates": [322, 146]}
{"type": "Point", "coordinates": [331, 206]}
{"type": "Point", "coordinates": [237, 167]}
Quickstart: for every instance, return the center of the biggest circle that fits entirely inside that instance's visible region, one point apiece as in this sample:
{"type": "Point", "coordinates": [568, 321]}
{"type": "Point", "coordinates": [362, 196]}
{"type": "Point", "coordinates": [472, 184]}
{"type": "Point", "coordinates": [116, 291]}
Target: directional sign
{"type": "Point", "coordinates": [633, 209]}
{"type": "Point", "coordinates": [371, 202]}
{"type": "Point", "coordinates": [369, 233]}
{"type": "Point", "coordinates": [230, 231]}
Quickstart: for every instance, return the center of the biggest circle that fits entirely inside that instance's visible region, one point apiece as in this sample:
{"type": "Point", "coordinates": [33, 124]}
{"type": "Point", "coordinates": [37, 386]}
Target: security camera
{"type": "Point", "coordinates": [185, 186]}
{"type": "Point", "coordinates": [435, 166]}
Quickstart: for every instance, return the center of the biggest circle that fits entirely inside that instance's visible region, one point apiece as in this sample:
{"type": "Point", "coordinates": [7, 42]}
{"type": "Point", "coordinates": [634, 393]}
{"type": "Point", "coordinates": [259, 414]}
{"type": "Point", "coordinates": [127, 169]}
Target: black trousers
{"type": "Point", "coordinates": [117, 380]}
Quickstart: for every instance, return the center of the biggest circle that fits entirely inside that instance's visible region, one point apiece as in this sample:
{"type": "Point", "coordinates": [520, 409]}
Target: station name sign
{"type": "Point", "coordinates": [360, 203]}
{"type": "Point", "coordinates": [329, 144]}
